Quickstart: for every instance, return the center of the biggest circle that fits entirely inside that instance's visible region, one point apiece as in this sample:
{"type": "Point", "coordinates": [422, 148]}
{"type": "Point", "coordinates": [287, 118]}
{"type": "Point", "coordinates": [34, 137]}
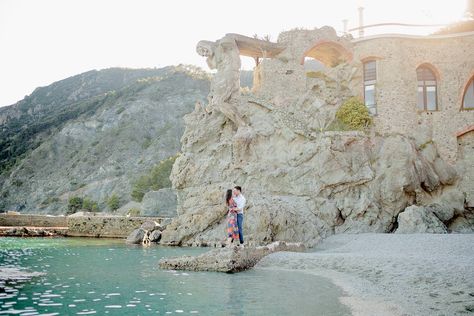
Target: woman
{"type": "Point", "coordinates": [232, 228]}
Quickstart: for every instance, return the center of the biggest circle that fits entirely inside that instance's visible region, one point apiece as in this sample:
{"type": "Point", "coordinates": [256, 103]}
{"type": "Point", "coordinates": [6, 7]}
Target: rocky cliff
{"type": "Point", "coordinates": [303, 178]}
{"type": "Point", "coordinates": [93, 135]}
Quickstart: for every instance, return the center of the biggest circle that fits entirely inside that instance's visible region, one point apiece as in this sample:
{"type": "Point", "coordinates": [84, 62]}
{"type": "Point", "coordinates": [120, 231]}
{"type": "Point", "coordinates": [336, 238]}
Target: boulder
{"type": "Point", "coordinates": [229, 259]}
{"type": "Point", "coordinates": [160, 203]}
{"type": "Point", "coordinates": [155, 236]}
{"type": "Point", "coordinates": [443, 212]}
{"type": "Point", "coordinates": [150, 226]}
{"type": "Point", "coordinates": [419, 219]}
{"type": "Point", "coordinates": [462, 225]}
{"type": "Point", "coordinates": [136, 236]}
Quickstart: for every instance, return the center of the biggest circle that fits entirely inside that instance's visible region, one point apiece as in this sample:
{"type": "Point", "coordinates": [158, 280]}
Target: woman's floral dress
{"type": "Point", "coordinates": [232, 228]}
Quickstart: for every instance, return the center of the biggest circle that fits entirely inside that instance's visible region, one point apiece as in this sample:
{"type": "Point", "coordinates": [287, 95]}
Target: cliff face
{"type": "Point", "coordinates": [302, 180]}
{"type": "Point", "coordinates": [93, 135]}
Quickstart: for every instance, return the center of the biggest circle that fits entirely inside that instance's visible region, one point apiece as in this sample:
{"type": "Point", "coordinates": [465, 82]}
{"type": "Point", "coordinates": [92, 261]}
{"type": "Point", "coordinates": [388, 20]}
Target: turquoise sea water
{"type": "Point", "coordinates": [107, 277]}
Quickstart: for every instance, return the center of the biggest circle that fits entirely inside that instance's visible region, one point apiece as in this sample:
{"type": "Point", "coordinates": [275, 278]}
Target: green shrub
{"type": "Point", "coordinates": [160, 174]}
{"type": "Point", "coordinates": [90, 205]}
{"type": "Point", "coordinates": [74, 205]}
{"type": "Point", "coordinates": [157, 178]}
{"type": "Point", "coordinates": [353, 115]}
{"type": "Point", "coordinates": [140, 187]}
{"type": "Point", "coordinates": [113, 202]}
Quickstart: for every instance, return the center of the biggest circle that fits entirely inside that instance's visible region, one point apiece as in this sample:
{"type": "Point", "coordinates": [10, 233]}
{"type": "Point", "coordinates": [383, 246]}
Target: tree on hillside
{"type": "Point", "coordinates": [113, 202]}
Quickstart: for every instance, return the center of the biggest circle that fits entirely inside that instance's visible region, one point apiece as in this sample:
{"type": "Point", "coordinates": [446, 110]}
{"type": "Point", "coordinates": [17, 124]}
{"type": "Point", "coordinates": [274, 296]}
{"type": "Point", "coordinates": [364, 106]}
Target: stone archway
{"type": "Point", "coordinates": [329, 53]}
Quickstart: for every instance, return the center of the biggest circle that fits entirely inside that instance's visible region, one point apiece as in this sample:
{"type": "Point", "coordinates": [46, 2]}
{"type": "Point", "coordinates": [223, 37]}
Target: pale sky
{"type": "Point", "coordinates": [43, 41]}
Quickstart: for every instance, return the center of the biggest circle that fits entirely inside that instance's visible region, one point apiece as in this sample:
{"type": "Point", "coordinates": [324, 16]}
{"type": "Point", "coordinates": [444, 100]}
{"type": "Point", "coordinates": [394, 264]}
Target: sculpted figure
{"type": "Point", "coordinates": [223, 55]}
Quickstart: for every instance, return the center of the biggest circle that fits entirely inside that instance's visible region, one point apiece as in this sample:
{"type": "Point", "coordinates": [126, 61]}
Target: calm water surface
{"type": "Point", "coordinates": [100, 276]}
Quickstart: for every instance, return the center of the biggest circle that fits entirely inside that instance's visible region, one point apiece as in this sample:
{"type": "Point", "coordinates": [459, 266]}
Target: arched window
{"type": "Point", "coordinates": [427, 99]}
{"type": "Point", "coordinates": [370, 76]}
{"type": "Point", "coordinates": [468, 96]}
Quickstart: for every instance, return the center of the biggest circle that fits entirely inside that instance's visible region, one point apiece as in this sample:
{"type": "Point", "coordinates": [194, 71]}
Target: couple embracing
{"type": "Point", "coordinates": [235, 216]}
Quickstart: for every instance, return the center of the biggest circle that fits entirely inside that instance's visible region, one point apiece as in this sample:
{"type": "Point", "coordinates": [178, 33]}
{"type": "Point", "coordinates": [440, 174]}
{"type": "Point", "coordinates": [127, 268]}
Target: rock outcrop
{"type": "Point", "coordinates": [159, 203]}
{"type": "Point", "coordinates": [304, 177]}
{"type": "Point", "coordinates": [419, 219]}
{"type": "Point", "coordinates": [229, 259]}
{"type": "Point", "coordinates": [301, 184]}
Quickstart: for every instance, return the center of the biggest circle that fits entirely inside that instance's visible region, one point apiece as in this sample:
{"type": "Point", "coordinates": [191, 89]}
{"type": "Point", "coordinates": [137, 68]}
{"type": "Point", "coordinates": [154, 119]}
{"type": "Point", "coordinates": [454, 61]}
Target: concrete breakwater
{"type": "Point", "coordinates": [74, 226]}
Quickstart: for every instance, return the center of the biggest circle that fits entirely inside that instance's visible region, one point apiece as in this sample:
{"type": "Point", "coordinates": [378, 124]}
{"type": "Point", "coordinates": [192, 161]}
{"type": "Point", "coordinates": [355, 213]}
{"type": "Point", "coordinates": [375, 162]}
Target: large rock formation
{"type": "Point", "coordinates": [298, 188]}
{"type": "Point", "coordinates": [303, 179]}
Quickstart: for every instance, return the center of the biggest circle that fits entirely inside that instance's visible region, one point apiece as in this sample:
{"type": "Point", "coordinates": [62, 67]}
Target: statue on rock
{"type": "Point", "coordinates": [224, 56]}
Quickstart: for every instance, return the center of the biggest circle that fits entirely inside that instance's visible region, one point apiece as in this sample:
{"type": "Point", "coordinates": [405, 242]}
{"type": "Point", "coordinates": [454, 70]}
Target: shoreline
{"type": "Point", "coordinates": [392, 274]}
{"type": "Point", "coordinates": [358, 304]}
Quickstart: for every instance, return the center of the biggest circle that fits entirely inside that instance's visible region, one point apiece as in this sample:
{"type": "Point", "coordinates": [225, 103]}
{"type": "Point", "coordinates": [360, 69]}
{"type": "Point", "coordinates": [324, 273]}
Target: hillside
{"type": "Point", "coordinates": [92, 135]}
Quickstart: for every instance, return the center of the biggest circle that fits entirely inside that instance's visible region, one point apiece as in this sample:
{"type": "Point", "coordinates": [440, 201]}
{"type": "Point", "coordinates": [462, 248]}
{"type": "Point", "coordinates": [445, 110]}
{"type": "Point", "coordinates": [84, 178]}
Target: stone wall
{"type": "Point", "coordinates": [33, 220]}
{"type": "Point", "coordinates": [397, 58]}
{"type": "Point", "coordinates": [283, 79]}
{"type": "Point", "coordinates": [80, 226]}
{"type": "Point", "coordinates": [105, 226]}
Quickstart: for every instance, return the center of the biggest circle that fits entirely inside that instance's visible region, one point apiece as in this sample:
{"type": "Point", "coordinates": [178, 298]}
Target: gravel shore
{"type": "Point", "coordinates": [393, 274]}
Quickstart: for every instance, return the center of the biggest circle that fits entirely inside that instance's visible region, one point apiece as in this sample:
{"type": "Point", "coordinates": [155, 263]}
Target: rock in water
{"type": "Point", "coordinates": [229, 259]}
{"type": "Point", "coordinates": [155, 236]}
{"type": "Point", "coordinates": [150, 225]}
{"type": "Point", "coordinates": [136, 237]}
{"type": "Point", "coordinates": [419, 219]}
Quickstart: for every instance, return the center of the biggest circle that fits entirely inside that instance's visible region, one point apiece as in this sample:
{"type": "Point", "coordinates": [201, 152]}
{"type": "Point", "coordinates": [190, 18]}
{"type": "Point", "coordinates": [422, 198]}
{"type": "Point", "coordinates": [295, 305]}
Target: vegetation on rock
{"type": "Point", "coordinates": [113, 202]}
{"type": "Point", "coordinates": [90, 205]}
{"type": "Point", "coordinates": [157, 178]}
{"type": "Point", "coordinates": [77, 204]}
{"type": "Point", "coordinates": [352, 115]}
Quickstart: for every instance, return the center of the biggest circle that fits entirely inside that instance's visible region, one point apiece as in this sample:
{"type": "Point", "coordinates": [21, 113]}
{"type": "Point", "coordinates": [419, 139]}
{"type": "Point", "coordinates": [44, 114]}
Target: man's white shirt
{"type": "Point", "coordinates": [240, 201]}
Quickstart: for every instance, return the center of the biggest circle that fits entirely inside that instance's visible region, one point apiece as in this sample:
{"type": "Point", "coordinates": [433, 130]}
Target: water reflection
{"type": "Point", "coordinates": [106, 277]}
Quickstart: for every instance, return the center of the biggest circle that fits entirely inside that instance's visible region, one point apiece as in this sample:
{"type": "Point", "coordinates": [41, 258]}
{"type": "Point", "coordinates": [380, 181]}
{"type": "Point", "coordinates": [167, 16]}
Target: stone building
{"type": "Point", "coordinates": [412, 85]}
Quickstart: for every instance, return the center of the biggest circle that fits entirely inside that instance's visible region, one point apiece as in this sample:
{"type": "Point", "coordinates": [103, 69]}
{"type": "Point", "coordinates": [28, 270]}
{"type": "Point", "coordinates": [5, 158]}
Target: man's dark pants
{"type": "Point", "coordinates": [240, 224]}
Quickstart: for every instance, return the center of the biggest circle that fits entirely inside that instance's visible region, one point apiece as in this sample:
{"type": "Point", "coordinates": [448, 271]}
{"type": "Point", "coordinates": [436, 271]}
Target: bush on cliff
{"type": "Point", "coordinates": [74, 205]}
{"type": "Point", "coordinates": [158, 178]}
{"type": "Point", "coordinates": [352, 115]}
{"type": "Point", "coordinates": [90, 205]}
{"type": "Point", "coordinates": [113, 202]}
{"type": "Point", "coordinates": [77, 204]}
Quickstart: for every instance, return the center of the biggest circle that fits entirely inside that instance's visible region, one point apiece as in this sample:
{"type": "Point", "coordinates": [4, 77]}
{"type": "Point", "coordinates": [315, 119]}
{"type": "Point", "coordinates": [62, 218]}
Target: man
{"type": "Point", "coordinates": [239, 199]}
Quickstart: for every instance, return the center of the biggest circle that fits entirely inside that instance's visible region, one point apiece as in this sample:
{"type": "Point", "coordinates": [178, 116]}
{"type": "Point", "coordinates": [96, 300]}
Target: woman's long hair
{"type": "Point", "coordinates": [228, 196]}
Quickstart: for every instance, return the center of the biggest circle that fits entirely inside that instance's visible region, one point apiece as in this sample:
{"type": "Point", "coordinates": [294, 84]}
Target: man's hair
{"type": "Point", "coordinates": [238, 188]}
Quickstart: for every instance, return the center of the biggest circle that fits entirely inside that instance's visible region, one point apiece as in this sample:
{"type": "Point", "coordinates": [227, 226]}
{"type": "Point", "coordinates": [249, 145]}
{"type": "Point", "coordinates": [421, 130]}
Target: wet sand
{"type": "Point", "coordinates": [392, 274]}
